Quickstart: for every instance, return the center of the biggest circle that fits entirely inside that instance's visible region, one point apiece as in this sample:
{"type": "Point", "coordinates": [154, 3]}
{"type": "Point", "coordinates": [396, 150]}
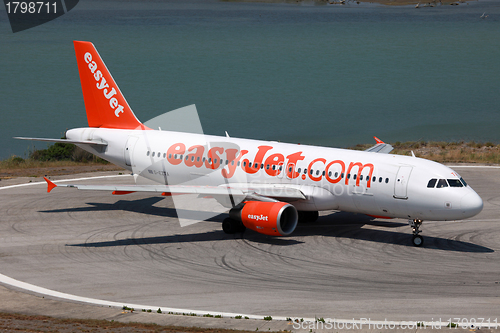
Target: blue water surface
{"type": "Point", "coordinates": [328, 75]}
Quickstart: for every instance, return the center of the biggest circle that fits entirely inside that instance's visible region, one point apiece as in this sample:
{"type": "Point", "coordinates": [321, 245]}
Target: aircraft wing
{"type": "Point", "coordinates": [261, 193]}
{"type": "Point", "coordinates": [380, 147]}
{"type": "Point", "coordinates": [98, 143]}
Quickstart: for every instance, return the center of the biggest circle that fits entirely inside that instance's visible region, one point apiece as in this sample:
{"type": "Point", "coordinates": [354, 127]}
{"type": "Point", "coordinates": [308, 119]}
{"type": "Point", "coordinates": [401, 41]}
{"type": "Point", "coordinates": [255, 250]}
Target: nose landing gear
{"type": "Point", "coordinates": [415, 224]}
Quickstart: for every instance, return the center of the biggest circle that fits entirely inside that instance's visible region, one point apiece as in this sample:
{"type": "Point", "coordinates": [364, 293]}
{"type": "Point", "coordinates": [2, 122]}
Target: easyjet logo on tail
{"type": "Point", "coordinates": [103, 85]}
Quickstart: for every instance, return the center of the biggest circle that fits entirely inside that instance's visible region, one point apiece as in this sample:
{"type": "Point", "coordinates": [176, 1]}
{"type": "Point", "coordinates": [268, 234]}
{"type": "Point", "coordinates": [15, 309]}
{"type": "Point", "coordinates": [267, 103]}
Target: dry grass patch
{"type": "Point", "coordinates": [29, 323]}
{"type": "Point", "coordinates": [447, 152]}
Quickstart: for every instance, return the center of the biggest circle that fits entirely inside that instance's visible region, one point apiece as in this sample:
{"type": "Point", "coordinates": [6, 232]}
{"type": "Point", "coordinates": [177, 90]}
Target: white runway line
{"type": "Point", "coordinates": [328, 321]}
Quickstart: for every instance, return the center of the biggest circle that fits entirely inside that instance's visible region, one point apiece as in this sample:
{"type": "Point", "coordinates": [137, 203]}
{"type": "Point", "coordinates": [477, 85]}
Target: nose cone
{"type": "Point", "coordinates": [471, 204]}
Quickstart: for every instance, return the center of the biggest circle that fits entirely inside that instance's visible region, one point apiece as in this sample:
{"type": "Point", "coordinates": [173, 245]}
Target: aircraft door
{"type": "Point", "coordinates": [401, 183]}
{"type": "Point", "coordinates": [129, 148]}
{"type": "Point", "coordinates": [290, 171]}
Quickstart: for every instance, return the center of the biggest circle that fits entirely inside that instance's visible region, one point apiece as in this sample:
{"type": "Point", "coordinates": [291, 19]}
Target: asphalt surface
{"type": "Point", "coordinates": [131, 250]}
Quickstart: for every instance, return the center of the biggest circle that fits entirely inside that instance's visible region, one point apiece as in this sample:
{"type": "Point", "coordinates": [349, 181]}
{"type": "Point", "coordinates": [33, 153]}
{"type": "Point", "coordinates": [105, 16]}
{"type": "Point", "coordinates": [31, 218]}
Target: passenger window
{"type": "Point", "coordinates": [244, 164]}
{"type": "Point", "coordinates": [262, 166]}
{"type": "Point", "coordinates": [387, 180]}
{"type": "Point", "coordinates": [329, 173]}
{"type": "Point", "coordinates": [198, 159]}
{"type": "Point", "coordinates": [169, 155]}
{"type": "Point", "coordinates": [267, 167]}
{"type": "Point", "coordinates": [442, 183]}
{"type": "Point", "coordinates": [455, 183]}
{"type": "Point", "coordinates": [463, 181]}
{"type": "Point", "coordinates": [147, 154]}
{"type": "Point", "coordinates": [348, 176]}
{"type": "Point", "coordinates": [180, 157]}
{"type": "Point", "coordinates": [298, 170]}
{"type": "Point", "coordinates": [290, 169]}
{"type": "Point", "coordinates": [153, 154]}
{"type": "Point", "coordinates": [342, 175]}
{"type": "Point", "coordinates": [239, 163]}
{"type": "Point", "coordinates": [323, 173]}
{"type": "Point", "coordinates": [317, 172]}
{"type": "Point", "coordinates": [354, 176]}
{"type": "Point", "coordinates": [164, 155]}
{"type": "Point", "coordinates": [374, 179]}
{"type": "Point", "coordinates": [311, 171]}
{"type": "Point", "coordinates": [360, 177]}
{"type": "Point", "coordinates": [336, 175]}
{"type": "Point", "coordinates": [274, 167]}
{"type": "Point", "coordinates": [432, 183]}
{"type": "Point", "coordinates": [380, 179]}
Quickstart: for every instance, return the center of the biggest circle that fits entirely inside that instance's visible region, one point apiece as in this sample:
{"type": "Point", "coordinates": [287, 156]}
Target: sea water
{"type": "Point", "coordinates": [328, 75]}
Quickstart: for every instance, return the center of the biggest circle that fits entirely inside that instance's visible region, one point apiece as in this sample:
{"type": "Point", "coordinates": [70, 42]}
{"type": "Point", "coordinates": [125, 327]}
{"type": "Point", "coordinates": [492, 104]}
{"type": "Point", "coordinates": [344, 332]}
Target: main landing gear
{"type": "Point", "coordinates": [308, 216]}
{"type": "Point", "coordinates": [415, 224]}
{"type": "Point", "coordinates": [230, 226]}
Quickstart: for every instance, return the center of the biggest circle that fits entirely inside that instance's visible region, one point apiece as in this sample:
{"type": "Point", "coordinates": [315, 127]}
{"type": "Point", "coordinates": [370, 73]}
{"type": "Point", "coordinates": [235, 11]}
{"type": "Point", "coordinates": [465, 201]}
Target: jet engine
{"type": "Point", "coordinates": [268, 218]}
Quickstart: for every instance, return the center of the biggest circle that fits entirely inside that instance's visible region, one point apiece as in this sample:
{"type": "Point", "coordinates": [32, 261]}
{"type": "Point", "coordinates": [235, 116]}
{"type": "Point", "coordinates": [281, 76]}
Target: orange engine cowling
{"type": "Point", "coordinates": [268, 218]}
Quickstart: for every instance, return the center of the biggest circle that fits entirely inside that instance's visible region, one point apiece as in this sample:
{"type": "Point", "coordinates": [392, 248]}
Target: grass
{"type": "Point", "coordinates": [34, 323]}
{"type": "Point", "coordinates": [16, 162]}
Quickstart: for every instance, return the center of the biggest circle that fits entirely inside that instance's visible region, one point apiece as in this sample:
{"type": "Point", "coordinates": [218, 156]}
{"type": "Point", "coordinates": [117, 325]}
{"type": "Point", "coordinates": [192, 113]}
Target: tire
{"type": "Point", "coordinates": [417, 240]}
{"type": "Point", "coordinates": [308, 216]}
{"type": "Point", "coordinates": [230, 226]}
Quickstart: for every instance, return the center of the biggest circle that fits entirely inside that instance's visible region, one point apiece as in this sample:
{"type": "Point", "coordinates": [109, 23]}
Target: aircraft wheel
{"type": "Point", "coordinates": [308, 216]}
{"type": "Point", "coordinates": [417, 240]}
{"type": "Point", "coordinates": [230, 226]}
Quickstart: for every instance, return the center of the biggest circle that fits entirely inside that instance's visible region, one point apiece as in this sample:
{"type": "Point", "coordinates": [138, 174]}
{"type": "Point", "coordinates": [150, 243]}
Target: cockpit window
{"type": "Point", "coordinates": [455, 183]}
{"type": "Point", "coordinates": [442, 183]}
{"type": "Point", "coordinates": [463, 181]}
{"type": "Point", "coordinates": [432, 182]}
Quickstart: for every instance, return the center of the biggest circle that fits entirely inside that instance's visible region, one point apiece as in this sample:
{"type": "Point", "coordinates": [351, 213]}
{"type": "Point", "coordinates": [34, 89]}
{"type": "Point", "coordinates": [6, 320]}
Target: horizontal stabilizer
{"type": "Point", "coordinates": [98, 143]}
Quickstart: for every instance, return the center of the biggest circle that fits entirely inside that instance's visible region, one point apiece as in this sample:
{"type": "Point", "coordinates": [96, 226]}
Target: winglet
{"type": "Point", "coordinates": [378, 140]}
{"type": "Point", "coordinates": [50, 185]}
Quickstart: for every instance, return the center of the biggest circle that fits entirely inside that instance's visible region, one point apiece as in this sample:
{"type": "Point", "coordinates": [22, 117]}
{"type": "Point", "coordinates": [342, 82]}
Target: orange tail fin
{"type": "Point", "coordinates": [104, 102]}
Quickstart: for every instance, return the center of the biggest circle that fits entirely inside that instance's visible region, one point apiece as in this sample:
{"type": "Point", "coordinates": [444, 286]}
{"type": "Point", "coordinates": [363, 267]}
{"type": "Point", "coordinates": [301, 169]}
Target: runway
{"type": "Point", "coordinates": [131, 249]}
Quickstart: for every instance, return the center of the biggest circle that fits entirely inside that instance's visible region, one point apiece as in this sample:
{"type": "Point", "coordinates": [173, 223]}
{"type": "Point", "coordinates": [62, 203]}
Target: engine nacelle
{"type": "Point", "coordinates": [268, 218]}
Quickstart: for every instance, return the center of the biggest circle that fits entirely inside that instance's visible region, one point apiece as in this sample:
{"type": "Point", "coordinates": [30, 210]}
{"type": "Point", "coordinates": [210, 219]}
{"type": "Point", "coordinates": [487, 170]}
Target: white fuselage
{"type": "Point", "coordinates": [376, 184]}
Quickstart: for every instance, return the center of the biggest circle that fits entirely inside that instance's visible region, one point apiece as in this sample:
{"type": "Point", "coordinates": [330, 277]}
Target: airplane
{"type": "Point", "coordinates": [267, 186]}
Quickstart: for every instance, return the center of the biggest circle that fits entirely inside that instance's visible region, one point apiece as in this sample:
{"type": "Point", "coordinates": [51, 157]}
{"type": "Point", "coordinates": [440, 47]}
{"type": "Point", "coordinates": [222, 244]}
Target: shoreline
{"type": "Point", "coordinates": [417, 3]}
